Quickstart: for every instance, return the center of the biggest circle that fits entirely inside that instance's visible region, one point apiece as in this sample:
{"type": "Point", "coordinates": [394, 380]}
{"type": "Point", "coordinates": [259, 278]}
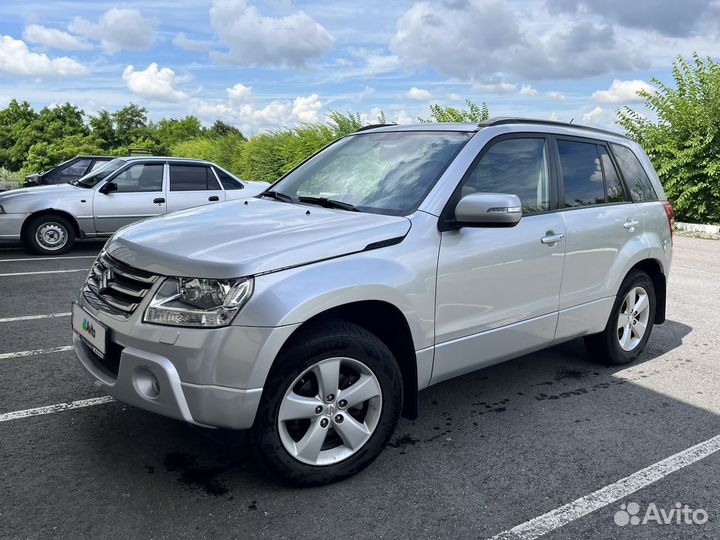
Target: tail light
{"type": "Point", "coordinates": [670, 213]}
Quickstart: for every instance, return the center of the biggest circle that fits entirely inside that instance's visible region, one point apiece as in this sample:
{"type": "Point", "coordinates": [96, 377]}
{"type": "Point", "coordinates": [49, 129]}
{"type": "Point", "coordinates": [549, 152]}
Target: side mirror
{"type": "Point", "coordinates": [109, 188]}
{"type": "Point", "coordinates": [488, 210]}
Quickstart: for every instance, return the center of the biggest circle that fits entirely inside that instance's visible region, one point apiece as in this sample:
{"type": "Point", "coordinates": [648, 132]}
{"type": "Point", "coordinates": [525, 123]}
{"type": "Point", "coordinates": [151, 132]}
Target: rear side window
{"type": "Point", "coordinates": [515, 166]}
{"type": "Point", "coordinates": [191, 178]}
{"type": "Point", "coordinates": [227, 181]}
{"type": "Point", "coordinates": [582, 173]}
{"type": "Point", "coordinates": [636, 178]}
{"type": "Point", "coordinates": [614, 188]}
{"type": "Point", "coordinates": [76, 169]}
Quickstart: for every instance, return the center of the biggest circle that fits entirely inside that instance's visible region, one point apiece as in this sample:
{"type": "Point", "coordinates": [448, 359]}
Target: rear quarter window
{"type": "Point", "coordinates": [636, 179]}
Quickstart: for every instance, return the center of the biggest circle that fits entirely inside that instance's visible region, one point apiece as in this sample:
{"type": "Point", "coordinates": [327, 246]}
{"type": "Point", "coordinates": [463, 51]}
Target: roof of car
{"type": "Point", "coordinates": [163, 158]}
{"type": "Point", "coordinates": [497, 121]}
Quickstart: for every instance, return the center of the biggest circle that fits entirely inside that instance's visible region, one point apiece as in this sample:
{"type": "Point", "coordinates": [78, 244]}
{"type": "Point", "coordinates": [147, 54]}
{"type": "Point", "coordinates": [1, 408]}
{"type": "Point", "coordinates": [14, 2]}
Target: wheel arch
{"type": "Point", "coordinates": [653, 268]}
{"type": "Point", "coordinates": [50, 212]}
{"type": "Point", "coordinates": [389, 324]}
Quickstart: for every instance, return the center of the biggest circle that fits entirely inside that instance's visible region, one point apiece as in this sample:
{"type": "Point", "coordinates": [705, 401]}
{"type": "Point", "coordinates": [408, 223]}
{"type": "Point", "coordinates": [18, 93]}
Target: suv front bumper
{"type": "Point", "coordinates": [204, 377]}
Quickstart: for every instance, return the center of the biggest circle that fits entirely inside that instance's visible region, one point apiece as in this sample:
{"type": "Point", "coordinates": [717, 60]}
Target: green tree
{"type": "Point", "coordinates": [14, 119]}
{"type": "Point", "coordinates": [103, 127]}
{"type": "Point", "coordinates": [131, 124]}
{"type": "Point", "coordinates": [221, 129]}
{"type": "Point", "coordinates": [44, 155]}
{"type": "Point", "coordinates": [473, 113]}
{"type": "Point", "coordinates": [684, 142]}
{"type": "Point", "coordinates": [170, 131]}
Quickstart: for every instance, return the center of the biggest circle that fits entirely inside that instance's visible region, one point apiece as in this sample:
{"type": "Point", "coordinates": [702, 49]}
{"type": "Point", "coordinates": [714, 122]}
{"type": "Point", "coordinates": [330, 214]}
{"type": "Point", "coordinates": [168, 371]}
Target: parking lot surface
{"type": "Point", "coordinates": [490, 451]}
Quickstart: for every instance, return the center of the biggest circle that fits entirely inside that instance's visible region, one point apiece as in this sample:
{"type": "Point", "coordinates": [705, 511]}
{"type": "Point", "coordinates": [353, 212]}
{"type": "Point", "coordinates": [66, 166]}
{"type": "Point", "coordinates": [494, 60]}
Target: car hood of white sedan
{"type": "Point", "coordinates": [244, 238]}
{"type": "Point", "coordinates": [44, 193]}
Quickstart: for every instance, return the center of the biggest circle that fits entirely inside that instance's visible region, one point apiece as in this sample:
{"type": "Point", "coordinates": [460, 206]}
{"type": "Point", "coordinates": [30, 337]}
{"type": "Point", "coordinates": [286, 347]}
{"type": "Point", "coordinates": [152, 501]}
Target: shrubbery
{"type": "Point", "coordinates": [684, 142]}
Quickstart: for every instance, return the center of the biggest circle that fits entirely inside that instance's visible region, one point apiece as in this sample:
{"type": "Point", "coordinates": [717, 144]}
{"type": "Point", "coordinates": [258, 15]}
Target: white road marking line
{"type": "Point", "coordinates": [35, 317]}
{"type": "Point", "coordinates": [45, 272]}
{"type": "Point", "coordinates": [49, 258]}
{"type": "Point", "coordinates": [583, 506]}
{"type": "Point", "coordinates": [35, 352]}
{"type": "Point", "coordinates": [696, 270]}
{"type": "Point", "coordinates": [51, 409]}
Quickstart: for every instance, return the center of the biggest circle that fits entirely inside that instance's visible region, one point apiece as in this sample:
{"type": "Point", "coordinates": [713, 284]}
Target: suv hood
{"type": "Point", "coordinates": [243, 238]}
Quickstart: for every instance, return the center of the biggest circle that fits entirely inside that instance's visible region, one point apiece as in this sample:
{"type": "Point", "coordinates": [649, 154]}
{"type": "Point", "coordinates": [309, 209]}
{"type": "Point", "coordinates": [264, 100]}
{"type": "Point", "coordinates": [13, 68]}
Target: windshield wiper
{"type": "Point", "coordinates": [277, 196]}
{"type": "Point", "coordinates": [328, 203]}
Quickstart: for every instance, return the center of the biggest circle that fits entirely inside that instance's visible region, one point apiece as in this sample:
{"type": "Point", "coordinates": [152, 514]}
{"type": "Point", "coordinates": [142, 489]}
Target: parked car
{"type": "Point", "coordinates": [49, 218]}
{"type": "Point", "coordinates": [66, 172]}
{"type": "Point", "coordinates": [392, 260]}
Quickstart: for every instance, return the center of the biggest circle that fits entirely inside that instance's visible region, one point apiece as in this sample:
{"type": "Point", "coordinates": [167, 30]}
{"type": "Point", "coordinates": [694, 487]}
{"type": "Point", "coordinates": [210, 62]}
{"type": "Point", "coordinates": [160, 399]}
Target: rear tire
{"type": "Point", "coordinates": [330, 405]}
{"type": "Point", "coordinates": [630, 323]}
{"type": "Point", "coordinates": [50, 235]}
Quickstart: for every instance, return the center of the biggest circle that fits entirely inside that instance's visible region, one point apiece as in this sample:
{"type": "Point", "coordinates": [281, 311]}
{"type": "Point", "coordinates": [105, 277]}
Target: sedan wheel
{"type": "Point", "coordinates": [51, 236]}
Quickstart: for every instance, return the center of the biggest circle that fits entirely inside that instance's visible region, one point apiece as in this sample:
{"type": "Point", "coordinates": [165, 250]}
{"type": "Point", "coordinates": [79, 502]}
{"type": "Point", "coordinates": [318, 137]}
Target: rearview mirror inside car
{"type": "Point", "coordinates": [488, 210]}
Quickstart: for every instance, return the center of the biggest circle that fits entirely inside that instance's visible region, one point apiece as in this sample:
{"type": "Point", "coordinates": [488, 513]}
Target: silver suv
{"type": "Point", "coordinates": [393, 259]}
{"type": "Point", "coordinates": [49, 218]}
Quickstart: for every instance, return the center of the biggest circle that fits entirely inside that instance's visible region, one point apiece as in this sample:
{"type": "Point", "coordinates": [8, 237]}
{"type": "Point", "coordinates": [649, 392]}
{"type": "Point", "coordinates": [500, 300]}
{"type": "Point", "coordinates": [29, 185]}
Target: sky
{"type": "Point", "coordinates": [269, 64]}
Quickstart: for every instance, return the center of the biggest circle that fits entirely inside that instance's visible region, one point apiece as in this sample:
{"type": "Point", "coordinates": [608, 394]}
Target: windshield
{"type": "Point", "coordinates": [388, 173]}
{"type": "Point", "coordinates": [91, 179]}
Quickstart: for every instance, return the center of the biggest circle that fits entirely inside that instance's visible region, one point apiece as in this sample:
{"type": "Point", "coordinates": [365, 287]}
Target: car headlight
{"type": "Point", "coordinates": [208, 303]}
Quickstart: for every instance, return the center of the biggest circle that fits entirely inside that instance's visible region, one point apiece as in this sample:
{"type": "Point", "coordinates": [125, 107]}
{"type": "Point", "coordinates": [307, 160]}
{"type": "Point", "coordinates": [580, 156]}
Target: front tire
{"type": "Point", "coordinates": [330, 405]}
{"type": "Point", "coordinates": [50, 235]}
{"type": "Point", "coordinates": [630, 323]}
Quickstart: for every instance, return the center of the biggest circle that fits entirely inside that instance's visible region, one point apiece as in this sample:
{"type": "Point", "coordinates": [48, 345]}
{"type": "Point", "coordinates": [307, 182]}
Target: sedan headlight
{"type": "Point", "coordinates": [208, 303]}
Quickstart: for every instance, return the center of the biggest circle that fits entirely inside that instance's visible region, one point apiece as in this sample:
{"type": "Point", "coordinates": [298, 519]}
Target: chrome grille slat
{"type": "Point", "coordinates": [124, 290]}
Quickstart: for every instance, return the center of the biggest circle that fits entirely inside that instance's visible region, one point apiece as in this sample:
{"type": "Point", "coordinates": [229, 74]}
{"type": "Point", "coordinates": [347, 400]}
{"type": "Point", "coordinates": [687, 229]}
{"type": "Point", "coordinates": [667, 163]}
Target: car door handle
{"type": "Point", "coordinates": [630, 224]}
{"type": "Point", "coordinates": [551, 239]}
{"type": "Point", "coordinates": [159, 200]}
{"type": "Point", "coordinates": [214, 198]}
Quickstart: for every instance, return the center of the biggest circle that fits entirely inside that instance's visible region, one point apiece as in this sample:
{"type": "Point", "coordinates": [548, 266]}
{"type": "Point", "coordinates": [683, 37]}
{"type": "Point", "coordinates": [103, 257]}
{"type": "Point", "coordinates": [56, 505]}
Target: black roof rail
{"type": "Point", "coordinates": [501, 121]}
{"type": "Point", "coordinates": [373, 126]}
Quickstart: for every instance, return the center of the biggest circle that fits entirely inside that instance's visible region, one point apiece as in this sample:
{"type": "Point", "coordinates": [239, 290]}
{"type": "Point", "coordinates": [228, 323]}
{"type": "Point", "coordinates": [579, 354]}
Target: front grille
{"type": "Point", "coordinates": [116, 288]}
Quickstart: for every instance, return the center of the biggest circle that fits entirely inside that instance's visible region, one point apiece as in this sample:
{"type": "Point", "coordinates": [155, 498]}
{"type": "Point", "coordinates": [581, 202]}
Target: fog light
{"type": "Point", "coordinates": [147, 383]}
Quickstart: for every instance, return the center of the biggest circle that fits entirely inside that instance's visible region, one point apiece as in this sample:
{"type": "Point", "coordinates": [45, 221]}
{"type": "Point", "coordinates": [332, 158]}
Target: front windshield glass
{"type": "Point", "coordinates": [388, 173]}
{"type": "Point", "coordinates": [91, 179]}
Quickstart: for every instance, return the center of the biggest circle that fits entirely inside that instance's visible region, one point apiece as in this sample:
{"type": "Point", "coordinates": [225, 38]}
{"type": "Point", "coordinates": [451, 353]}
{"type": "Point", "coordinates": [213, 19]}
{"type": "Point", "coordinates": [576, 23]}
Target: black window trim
{"type": "Point", "coordinates": [446, 221]}
{"type": "Point", "coordinates": [170, 164]}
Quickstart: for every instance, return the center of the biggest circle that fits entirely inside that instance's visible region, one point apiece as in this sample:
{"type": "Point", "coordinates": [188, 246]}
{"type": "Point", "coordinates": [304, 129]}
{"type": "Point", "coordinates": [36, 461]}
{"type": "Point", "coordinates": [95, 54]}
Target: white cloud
{"type": "Point", "coordinates": [154, 83]}
{"type": "Point", "coordinates": [117, 29]}
{"type": "Point", "coordinates": [553, 94]}
{"type": "Point", "coordinates": [623, 92]}
{"type": "Point", "coordinates": [373, 117]}
{"type": "Point", "coordinates": [601, 117]}
{"type": "Point", "coordinates": [189, 44]}
{"type": "Point", "coordinates": [494, 86]}
{"type": "Point", "coordinates": [54, 38]}
{"type": "Point", "coordinates": [254, 39]}
{"type": "Point", "coordinates": [251, 118]}
{"type": "Point", "coordinates": [452, 96]}
{"type": "Point", "coordinates": [403, 118]}
{"type": "Point", "coordinates": [17, 59]}
{"type": "Point", "coordinates": [445, 36]}
{"type": "Point", "coordinates": [305, 109]}
{"type": "Point", "coordinates": [239, 92]}
{"type": "Point", "coordinates": [418, 93]}
{"type": "Point", "coordinates": [528, 90]}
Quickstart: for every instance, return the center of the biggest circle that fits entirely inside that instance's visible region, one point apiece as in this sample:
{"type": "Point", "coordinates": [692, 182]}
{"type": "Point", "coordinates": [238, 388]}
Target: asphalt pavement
{"type": "Point", "coordinates": [496, 449]}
